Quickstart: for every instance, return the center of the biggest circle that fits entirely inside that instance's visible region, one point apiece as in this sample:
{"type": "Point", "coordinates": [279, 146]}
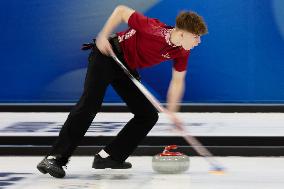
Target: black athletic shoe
{"type": "Point", "coordinates": [103, 163]}
{"type": "Point", "coordinates": [52, 166]}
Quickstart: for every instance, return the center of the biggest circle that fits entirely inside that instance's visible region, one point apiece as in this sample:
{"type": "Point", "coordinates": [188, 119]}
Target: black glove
{"type": "Point", "coordinates": [87, 46]}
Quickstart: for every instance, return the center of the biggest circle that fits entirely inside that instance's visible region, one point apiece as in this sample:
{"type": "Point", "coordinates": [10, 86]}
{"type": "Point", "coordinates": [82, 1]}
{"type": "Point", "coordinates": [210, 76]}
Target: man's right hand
{"type": "Point", "coordinates": [175, 120]}
{"type": "Point", "coordinates": [103, 45]}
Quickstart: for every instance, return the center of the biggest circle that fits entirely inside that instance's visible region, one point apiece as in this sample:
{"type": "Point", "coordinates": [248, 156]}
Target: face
{"type": "Point", "coordinates": [189, 40]}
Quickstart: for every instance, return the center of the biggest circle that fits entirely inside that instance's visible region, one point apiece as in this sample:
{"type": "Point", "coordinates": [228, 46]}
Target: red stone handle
{"type": "Point", "coordinates": [167, 152]}
{"type": "Point", "coordinates": [171, 147]}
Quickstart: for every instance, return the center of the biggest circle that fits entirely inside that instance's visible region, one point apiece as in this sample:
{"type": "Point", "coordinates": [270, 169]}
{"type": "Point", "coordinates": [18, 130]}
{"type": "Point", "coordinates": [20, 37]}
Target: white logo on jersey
{"type": "Point", "coordinates": [127, 35]}
{"type": "Point", "coordinates": [166, 55]}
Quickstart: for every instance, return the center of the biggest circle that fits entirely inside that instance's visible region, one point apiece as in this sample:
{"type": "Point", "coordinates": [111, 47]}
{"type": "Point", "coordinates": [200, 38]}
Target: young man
{"type": "Point", "coordinates": [146, 42]}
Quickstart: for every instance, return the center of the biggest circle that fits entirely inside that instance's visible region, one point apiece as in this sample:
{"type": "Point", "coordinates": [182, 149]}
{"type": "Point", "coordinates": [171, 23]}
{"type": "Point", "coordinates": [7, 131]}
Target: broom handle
{"type": "Point", "coordinates": [198, 147]}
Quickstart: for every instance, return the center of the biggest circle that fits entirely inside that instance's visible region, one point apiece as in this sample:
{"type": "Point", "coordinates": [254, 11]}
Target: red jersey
{"type": "Point", "coordinates": [147, 42]}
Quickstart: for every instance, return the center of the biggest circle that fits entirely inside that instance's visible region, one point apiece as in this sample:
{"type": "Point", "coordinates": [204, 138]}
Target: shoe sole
{"type": "Point", "coordinates": [41, 169]}
{"type": "Point", "coordinates": [50, 170]}
{"type": "Point", "coordinates": [103, 167]}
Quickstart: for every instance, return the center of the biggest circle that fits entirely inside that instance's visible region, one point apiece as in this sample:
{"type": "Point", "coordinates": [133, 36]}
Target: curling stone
{"type": "Point", "coordinates": [170, 162]}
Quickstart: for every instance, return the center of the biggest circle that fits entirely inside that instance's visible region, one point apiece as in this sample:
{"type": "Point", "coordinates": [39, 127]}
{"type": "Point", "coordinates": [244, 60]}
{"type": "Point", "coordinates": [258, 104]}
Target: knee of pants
{"type": "Point", "coordinates": [151, 118]}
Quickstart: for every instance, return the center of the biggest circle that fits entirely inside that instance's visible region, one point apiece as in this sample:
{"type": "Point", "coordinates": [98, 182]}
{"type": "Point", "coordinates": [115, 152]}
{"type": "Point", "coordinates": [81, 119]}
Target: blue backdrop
{"type": "Point", "coordinates": [240, 60]}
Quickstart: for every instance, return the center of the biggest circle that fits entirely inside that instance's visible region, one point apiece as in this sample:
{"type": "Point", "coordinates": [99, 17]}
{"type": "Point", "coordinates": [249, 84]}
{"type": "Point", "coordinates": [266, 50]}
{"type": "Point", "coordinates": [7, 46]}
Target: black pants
{"type": "Point", "coordinates": [102, 71]}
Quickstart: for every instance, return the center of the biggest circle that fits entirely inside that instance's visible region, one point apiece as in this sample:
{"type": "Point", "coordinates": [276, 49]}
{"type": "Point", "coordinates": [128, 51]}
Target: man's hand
{"type": "Point", "coordinates": [175, 119]}
{"type": "Point", "coordinates": [103, 45]}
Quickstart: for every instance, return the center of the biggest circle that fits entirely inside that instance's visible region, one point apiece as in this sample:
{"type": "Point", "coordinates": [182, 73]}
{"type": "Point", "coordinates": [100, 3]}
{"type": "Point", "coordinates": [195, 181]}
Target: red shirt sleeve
{"type": "Point", "coordinates": [180, 63]}
{"type": "Point", "coordinates": [142, 23]}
